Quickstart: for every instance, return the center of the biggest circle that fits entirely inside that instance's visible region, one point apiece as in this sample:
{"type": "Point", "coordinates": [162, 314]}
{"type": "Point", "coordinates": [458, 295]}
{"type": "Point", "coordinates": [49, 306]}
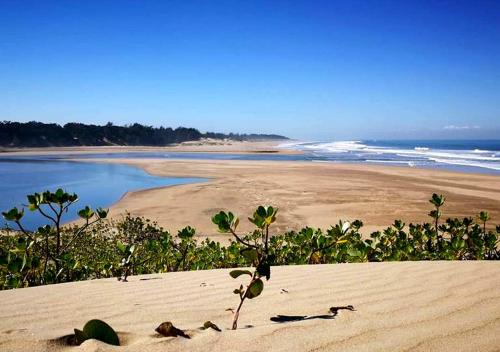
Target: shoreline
{"type": "Point", "coordinates": [308, 194]}
{"type": "Point", "coordinates": [224, 147]}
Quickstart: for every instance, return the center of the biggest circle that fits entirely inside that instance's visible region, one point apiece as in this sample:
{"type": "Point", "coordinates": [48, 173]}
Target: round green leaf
{"type": "Point", "coordinates": [236, 273]}
{"type": "Point", "coordinates": [255, 289]}
{"type": "Point", "coordinates": [99, 330]}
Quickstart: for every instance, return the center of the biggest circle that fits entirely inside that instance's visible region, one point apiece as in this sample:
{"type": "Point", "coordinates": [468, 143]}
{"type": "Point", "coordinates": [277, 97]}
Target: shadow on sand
{"type": "Point", "coordinates": [334, 311]}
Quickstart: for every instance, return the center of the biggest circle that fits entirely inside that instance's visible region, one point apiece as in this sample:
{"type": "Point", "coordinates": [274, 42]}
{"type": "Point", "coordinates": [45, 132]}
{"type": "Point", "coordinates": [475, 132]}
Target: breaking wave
{"type": "Point", "coordinates": [400, 153]}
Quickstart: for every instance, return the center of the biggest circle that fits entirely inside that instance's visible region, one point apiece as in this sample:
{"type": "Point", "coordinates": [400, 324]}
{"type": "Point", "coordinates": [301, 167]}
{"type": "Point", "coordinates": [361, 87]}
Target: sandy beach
{"type": "Point", "coordinates": [398, 306]}
{"type": "Point", "coordinates": [201, 146]}
{"type": "Point", "coordinates": [307, 194]}
{"type": "Point", "coordinates": [406, 306]}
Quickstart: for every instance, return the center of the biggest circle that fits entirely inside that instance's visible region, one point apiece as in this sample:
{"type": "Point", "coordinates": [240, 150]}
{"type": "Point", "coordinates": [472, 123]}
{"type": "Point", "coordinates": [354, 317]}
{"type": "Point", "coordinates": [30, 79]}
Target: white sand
{"type": "Point", "coordinates": [406, 306]}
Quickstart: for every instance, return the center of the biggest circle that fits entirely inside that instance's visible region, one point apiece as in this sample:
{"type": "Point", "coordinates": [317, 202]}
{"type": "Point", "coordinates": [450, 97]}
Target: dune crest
{"type": "Point", "coordinates": [417, 306]}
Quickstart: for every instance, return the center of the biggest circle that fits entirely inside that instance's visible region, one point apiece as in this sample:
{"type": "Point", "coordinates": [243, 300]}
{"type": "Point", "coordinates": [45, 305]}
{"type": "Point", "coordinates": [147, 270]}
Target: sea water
{"type": "Point", "coordinates": [481, 156]}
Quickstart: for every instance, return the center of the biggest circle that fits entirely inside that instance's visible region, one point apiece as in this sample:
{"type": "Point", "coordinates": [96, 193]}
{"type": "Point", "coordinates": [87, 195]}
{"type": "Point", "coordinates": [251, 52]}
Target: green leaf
{"type": "Point", "coordinates": [13, 214]}
{"type": "Point", "coordinates": [102, 213]}
{"type": "Point", "coordinates": [236, 273]}
{"type": "Point", "coordinates": [484, 216]}
{"type": "Point", "coordinates": [122, 247]}
{"type": "Point", "coordinates": [354, 252]}
{"type": "Point", "coordinates": [255, 289]}
{"type": "Point", "coordinates": [80, 336]}
{"type": "Point", "coordinates": [261, 211]}
{"type": "Point", "coordinates": [223, 221]}
{"type": "Point", "coordinates": [249, 254]}
{"type": "Point", "coordinates": [264, 269]}
{"type": "Point", "coordinates": [15, 265]}
{"type": "Point", "coordinates": [235, 223]}
{"type": "Point", "coordinates": [186, 233]}
{"type": "Point", "coordinates": [99, 330]}
{"type": "Point", "coordinates": [437, 200]}
{"type": "Point", "coordinates": [25, 258]}
{"type": "Point", "coordinates": [86, 213]}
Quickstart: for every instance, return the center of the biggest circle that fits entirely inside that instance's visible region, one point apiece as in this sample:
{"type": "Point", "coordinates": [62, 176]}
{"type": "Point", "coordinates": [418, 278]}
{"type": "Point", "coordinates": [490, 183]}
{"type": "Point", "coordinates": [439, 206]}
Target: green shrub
{"type": "Point", "coordinates": [103, 248]}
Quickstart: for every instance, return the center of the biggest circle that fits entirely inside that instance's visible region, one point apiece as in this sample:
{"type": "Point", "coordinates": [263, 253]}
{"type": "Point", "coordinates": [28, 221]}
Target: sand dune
{"type": "Point", "coordinates": [406, 306]}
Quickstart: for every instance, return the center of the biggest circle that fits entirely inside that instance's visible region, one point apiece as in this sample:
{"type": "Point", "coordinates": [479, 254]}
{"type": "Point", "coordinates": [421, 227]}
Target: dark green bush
{"type": "Point", "coordinates": [132, 245]}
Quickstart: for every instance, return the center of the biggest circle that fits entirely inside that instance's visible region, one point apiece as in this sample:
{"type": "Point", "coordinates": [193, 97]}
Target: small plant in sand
{"type": "Point", "coordinates": [484, 216]}
{"type": "Point", "coordinates": [168, 329]}
{"type": "Point", "coordinates": [438, 202]}
{"type": "Point", "coordinates": [98, 330]}
{"type": "Point", "coordinates": [255, 250]}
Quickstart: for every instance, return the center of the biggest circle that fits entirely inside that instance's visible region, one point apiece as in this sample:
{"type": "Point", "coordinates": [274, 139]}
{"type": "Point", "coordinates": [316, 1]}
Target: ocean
{"type": "Point", "coordinates": [481, 156]}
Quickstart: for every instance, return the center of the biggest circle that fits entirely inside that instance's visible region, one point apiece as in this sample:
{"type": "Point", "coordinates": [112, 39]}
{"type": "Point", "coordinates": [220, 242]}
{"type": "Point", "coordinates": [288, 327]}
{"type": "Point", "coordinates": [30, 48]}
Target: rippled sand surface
{"type": "Point", "coordinates": [405, 306]}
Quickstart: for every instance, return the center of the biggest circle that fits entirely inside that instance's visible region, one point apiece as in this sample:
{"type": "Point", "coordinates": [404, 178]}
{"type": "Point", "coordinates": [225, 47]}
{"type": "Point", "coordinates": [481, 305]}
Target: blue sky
{"type": "Point", "coordinates": [307, 69]}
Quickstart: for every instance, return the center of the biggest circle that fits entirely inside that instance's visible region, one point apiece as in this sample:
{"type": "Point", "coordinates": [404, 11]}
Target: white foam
{"type": "Point", "coordinates": [409, 163]}
{"type": "Point", "coordinates": [467, 163]}
{"type": "Point", "coordinates": [476, 157]}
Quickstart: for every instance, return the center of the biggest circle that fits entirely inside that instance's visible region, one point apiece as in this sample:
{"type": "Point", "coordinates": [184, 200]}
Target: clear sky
{"type": "Point", "coordinates": [307, 69]}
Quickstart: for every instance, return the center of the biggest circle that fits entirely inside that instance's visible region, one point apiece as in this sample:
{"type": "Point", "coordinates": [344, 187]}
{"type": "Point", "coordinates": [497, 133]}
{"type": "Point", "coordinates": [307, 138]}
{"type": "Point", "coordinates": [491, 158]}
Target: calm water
{"type": "Point", "coordinates": [96, 184]}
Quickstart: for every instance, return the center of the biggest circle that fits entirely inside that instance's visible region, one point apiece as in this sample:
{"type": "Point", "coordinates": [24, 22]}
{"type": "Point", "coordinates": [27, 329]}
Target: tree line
{"type": "Point", "coordinates": [39, 134]}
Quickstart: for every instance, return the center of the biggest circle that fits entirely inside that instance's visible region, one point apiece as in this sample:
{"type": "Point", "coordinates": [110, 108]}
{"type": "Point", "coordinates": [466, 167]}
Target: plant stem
{"type": "Point", "coordinates": [242, 299]}
{"type": "Point", "coordinates": [237, 313]}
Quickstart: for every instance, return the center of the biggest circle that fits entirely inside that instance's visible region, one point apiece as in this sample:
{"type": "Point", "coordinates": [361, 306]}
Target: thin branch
{"type": "Point", "coordinates": [47, 216]}
{"type": "Point", "coordinates": [18, 223]}
{"type": "Point", "coordinates": [78, 233]}
{"type": "Point", "coordinates": [242, 241]}
{"type": "Point", "coordinates": [52, 207]}
{"type": "Point", "coordinates": [67, 206]}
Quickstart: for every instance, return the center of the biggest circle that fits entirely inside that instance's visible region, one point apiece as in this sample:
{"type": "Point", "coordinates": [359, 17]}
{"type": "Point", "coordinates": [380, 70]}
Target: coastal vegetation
{"type": "Point", "coordinates": [255, 250]}
{"type": "Point", "coordinates": [101, 248]}
{"type": "Point", "coordinates": [38, 134]}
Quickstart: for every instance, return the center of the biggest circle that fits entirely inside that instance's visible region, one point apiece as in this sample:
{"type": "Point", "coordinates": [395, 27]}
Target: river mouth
{"type": "Point", "coordinates": [96, 184]}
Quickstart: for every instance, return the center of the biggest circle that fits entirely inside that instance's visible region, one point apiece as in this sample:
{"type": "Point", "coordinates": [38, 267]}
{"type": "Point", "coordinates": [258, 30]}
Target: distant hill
{"type": "Point", "coordinates": [39, 134]}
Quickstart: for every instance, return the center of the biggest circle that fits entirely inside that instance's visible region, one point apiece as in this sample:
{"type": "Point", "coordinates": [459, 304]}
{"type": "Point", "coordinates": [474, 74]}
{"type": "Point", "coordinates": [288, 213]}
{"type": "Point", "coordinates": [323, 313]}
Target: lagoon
{"type": "Point", "coordinates": [97, 184]}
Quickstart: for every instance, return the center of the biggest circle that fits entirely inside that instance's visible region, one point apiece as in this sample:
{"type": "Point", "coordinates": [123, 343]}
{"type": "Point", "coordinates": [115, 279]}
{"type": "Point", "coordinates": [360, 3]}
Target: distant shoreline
{"type": "Point", "coordinates": [202, 146]}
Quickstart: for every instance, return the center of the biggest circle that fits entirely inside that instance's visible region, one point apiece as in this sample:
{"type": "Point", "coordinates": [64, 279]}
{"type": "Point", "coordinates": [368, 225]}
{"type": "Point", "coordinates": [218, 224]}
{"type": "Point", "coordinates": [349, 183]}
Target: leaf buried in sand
{"type": "Point", "coordinates": [209, 325]}
{"type": "Point", "coordinates": [168, 329]}
{"type": "Point", "coordinates": [99, 330]}
{"type": "Point", "coordinates": [79, 336]}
